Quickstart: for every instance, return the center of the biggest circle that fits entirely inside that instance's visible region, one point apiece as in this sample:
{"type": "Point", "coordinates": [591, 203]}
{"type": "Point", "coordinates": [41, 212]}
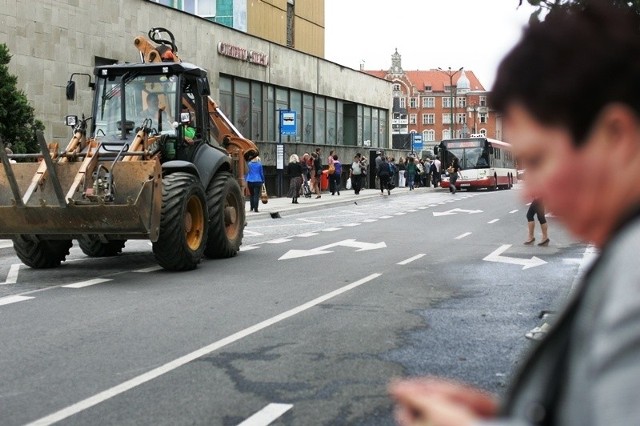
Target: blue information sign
{"type": "Point", "coordinates": [417, 142]}
{"type": "Point", "coordinates": [288, 123]}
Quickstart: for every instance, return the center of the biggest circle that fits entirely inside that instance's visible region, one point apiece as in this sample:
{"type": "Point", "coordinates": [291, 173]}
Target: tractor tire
{"type": "Point", "coordinates": [41, 254]}
{"type": "Point", "coordinates": [226, 216]}
{"type": "Point", "coordinates": [93, 247]}
{"type": "Point", "coordinates": [184, 222]}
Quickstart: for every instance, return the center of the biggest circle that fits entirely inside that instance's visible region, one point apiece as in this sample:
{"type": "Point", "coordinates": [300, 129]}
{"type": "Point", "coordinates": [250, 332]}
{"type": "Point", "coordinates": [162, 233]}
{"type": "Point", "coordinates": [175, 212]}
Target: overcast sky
{"type": "Point", "coordinates": [474, 34]}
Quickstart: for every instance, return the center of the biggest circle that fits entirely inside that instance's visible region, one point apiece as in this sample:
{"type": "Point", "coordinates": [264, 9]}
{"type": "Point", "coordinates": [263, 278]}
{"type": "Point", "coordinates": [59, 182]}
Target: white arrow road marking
{"type": "Point", "coordinates": [249, 248]}
{"type": "Point", "coordinates": [526, 263]}
{"type": "Point", "coordinates": [361, 246]}
{"type": "Point", "coordinates": [454, 211]}
{"type": "Point", "coordinates": [267, 415]}
{"type": "Point", "coordinates": [13, 299]}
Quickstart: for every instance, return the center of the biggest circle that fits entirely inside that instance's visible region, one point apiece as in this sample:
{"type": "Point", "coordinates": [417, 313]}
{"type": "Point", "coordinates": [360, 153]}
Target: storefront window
{"type": "Point", "coordinates": [366, 123]}
{"type": "Point", "coordinates": [307, 119]}
{"type": "Point", "coordinates": [295, 104]}
{"type": "Point", "coordinates": [256, 111]}
{"type": "Point", "coordinates": [242, 110]}
{"type": "Point", "coordinates": [332, 133]}
{"type": "Point", "coordinates": [320, 120]}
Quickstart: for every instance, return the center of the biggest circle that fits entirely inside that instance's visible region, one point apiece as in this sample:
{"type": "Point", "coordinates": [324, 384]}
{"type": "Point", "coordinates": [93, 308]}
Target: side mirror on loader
{"type": "Point", "coordinates": [71, 90]}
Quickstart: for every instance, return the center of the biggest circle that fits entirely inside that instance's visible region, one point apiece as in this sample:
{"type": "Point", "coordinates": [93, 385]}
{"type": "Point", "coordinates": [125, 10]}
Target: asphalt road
{"type": "Point", "coordinates": [310, 321]}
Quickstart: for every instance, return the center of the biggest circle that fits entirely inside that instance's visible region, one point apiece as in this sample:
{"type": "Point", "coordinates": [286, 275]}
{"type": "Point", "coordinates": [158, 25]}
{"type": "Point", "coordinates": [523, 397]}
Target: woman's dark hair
{"type": "Point", "coordinates": [565, 69]}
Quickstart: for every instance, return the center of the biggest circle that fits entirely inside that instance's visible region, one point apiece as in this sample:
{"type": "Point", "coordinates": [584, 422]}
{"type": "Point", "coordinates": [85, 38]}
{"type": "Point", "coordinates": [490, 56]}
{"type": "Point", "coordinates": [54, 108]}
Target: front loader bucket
{"type": "Point", "coordinates": [51, 209]}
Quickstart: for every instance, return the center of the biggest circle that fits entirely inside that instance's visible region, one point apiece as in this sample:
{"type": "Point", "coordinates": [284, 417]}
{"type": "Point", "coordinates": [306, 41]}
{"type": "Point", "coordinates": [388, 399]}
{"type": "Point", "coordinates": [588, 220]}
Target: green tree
{"type": "Point", "coordinates": [17, 120]}
{"type": "Point", "coordinates": [544, 6]}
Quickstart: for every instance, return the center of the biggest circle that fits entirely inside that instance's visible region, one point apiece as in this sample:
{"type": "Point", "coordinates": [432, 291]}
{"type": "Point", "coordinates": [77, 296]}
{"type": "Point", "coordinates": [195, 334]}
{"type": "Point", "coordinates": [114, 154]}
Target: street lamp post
{"type": "Point", "coordinates": [451, 74]}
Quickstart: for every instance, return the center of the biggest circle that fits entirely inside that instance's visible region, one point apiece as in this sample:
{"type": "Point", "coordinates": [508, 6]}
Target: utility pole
{"type": "Point", "coordinates": [451, 74]}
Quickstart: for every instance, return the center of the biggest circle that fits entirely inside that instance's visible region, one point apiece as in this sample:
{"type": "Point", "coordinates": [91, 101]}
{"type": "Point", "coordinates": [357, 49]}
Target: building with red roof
{"type": "Point", "coordinates": [437, 103]}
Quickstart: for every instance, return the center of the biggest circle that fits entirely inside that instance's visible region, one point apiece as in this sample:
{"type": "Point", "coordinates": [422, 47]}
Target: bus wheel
{"type": "Point", "coordinates": [495, 183]}
{"type": "Point", "coordinates": [510, 181]}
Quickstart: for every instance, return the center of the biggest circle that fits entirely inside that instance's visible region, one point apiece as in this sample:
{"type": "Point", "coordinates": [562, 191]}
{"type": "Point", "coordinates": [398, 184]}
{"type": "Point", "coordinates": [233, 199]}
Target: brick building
{"type": "Point", "coordinates": [437, 104]}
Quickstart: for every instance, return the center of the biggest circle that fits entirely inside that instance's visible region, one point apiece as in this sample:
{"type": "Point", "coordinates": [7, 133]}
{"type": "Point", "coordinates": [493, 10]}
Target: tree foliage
{"type": "Point", "coordinates": [544, 6]}
{"type": "Point", "coordinates": [17, 120]}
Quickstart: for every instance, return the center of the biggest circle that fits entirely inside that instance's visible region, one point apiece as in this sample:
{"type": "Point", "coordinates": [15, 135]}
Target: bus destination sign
{"type": "Point", "coordinates": [463, 144]}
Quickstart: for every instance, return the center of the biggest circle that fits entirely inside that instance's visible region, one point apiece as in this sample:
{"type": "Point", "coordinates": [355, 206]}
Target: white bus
{"type": "Point", "coordinates": [484, 163]}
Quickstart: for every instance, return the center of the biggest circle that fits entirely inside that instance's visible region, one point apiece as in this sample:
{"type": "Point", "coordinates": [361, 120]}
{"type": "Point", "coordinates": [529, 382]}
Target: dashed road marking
{"type": "Point", "coordinates": [278, 241]}
{"type": "Point", "coordinates": [13, 299]}
{"type": "Point", "coordinates": [513, 211]}
{"type": "Point", "coordinates": [267, 415]}
{"type": "Point", "coordinates": [493, 221]}
{"type": "Point", "coordinates": [466, 234]}
{"type": "Point", "coordinates": [88, 283]}
{"type": "Point", "coordinates": [331, 229]}
{"type": "Point", "coordinates": [411, 259]}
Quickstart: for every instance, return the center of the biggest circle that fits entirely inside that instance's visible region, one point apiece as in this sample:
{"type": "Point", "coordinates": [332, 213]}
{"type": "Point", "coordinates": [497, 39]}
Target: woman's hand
{"type": "Point", "coordinates": [438, 402]}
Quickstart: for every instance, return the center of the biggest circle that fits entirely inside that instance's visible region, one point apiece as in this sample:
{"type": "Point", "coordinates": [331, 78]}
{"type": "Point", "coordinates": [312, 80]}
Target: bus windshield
{"type": "Point", "coordinates": [468, 158]}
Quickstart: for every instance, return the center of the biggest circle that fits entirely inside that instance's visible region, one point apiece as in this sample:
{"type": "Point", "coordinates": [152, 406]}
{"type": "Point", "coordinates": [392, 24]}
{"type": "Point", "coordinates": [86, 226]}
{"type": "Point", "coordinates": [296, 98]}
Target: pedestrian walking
{"type": "Point", "coordinates": [335, 179]}
{"type": "Point", "coordinates": [317, 172]}
{"type": "Point", "coordinates": [453, 170]}
{"type": "Point", "coordinates": [384, 175]}
{"type": "Point", "coordinates": [294, 171]}
{"type": "Point", "coordinates": [412, 170]}
{"type": "Point", "coordinates": [536, 208]}
{"type": "Point", "coordinates": [402, 175]}
{"type": "Point", "coordinates": [560, 122]}
{"type": "Point", "coordinates": [355, 174]}
{"type": "Point", "coordinates": [255, 180]}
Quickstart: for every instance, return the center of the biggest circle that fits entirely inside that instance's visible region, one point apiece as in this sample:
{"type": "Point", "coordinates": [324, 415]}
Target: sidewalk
{"type": "Point", "coordinates": [283, 205]}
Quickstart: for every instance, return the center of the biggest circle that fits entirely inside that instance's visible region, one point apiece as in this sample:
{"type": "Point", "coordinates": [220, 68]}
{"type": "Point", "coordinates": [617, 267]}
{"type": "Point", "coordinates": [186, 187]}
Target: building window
{"type": "Point", "coordinates": [428, 118]}
{"type": "Point", "coordinates": [446, 102]}
{"type": "Point", "coordinates": [427, 88]}
{"type": "Point", "coordinates": [462, 118]}
{"type": "Point", "coordinates": [483, 131]}
{"type": "Point", "coordinates": [290, 25]}
{"type": "Point", "coordinates": [446, 118]}
{"type": "Point", "coordinates": [429, 135]}
{"type": "Point", "coordinates": [461, 102]}
{"type": "Point", "coordinates": [413, 102]}
{"type": "Point", "coordinates": [428, 102]}
{"type": "Point", "coordinates": [483, 117]}
{"type": "Point", "coordinates": [483, 101]}
{"type": "Point", "coordinates": [413, 119]}
{"type": "Point", "coordinates": [396, 87]}
{"type": "Point", "coordinates": [403, 102]}
{"type": "Point", "coordinates": [446, 134]}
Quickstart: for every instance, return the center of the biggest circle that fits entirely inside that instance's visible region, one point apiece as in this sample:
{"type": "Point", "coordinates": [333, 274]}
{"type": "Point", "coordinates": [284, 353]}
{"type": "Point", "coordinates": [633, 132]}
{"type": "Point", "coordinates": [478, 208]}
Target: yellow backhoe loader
{"type": "Point", "coordinates": [156, 160]}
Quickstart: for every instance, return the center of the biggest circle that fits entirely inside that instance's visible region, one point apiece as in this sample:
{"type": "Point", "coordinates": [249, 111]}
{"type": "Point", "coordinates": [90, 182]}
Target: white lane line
{"type": "Point", "coordinates": [369, 220]}
{"type": "Point", "coordinates": [149, 269]}
{"type": "Point", "coordinates": [331, 229]}
{"type": "Point", "coordinates": [87, 283]}
{"type": "Point", "coordinates": [411, 211]}
{"type": "Point", "coordinates": [422, 208]}
{"type": "Point", "coordinates": [13, 299]}
{"type": "Point", "coordinates": [172, 365]}
{"type": "Point", "coordinates": [385, 217]}
{"type": "Point", "coordinates": [6, 244]}
{"type": "Point", "coordinates": [249, 233]}
{"type": "Point", "coordinates": [513, 211]}
{"type": "Point", "coordinates": [12, 276]}
{"type": "Point", "coordinates": [433, 205]}
{"type": "Point", "coordinates": [308, 234]}
{"type": "Point", "coordinates": [309, 221]}
{"type": "Point", "coordinates": [352, 224]}
{"type": "Point", "coordinates": [493, 221]}
{"type": "Point", "coordinates": [466, 234]}
{"type": "Point", "coordinates": [248, 248]}
{"type": "Point", "coordinates": [267, 415]}
{"type": "Point", "coordinates": [411, 259]}
{"type": "Point", "coordinates": [400, 213]}
{"type": "Point", "coordinates": [278, 241]}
